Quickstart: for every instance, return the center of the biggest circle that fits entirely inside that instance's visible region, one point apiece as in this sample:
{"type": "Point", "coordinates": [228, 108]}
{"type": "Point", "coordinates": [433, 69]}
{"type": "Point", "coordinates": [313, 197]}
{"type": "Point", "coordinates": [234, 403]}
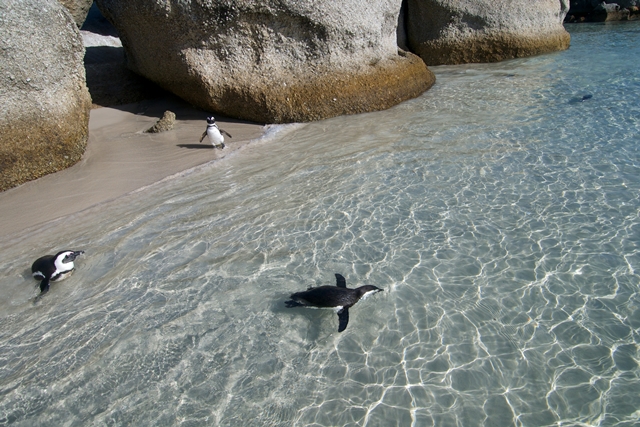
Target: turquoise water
{"type": "Point", "coordinates": [498, 211]}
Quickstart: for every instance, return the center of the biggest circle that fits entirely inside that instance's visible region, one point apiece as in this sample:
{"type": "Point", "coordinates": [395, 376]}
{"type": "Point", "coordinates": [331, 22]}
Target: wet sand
{"type": "Point", "coordinates": [120, 158]}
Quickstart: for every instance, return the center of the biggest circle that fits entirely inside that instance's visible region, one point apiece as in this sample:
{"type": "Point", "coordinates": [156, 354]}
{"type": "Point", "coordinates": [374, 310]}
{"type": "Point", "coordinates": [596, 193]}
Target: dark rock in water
{"type": "Point", "coordinates": [164, 124]}
{"type": "Point", "coordinates": [43, 93]}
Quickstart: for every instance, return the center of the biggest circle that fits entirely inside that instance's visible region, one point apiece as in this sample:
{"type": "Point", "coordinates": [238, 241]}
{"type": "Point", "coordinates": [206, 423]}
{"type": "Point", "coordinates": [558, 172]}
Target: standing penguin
{"type": "Point", "coordinates": [53, 268]}
{"type": "Point", "coordinates": [339, 298]}
{"type": "Point", "coordinates": [214, 133]}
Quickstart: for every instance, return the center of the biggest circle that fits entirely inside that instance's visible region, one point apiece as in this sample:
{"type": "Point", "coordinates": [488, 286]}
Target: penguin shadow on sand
{"type": "Point", "coordinates": [338, 298]}
{"type": "Point", "coordinates": [197, 146]}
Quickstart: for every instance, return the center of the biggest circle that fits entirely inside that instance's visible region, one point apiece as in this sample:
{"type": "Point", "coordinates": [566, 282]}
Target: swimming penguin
{"type": "Point", "coordinates": [214, 133]}
{"type": "Point", "coordinates": [53, 268]}
{"type": "Point", "coordinates": [338, 297]}
{"type": "Point", "coordinates": [583, 99]}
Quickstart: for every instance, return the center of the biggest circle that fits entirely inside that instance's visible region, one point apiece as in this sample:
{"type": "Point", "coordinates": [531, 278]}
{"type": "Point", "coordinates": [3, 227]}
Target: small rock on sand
{"type": "Point", "coordinates": [164, 124]}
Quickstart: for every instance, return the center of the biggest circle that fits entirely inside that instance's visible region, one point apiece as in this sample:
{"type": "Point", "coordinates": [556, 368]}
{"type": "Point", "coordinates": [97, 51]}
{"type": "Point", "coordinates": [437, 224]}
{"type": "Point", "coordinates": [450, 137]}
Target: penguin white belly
{"type": "Point", "coordinates": [63, 276]}
{"type": "Point", "coordinates": [334, 309]}
{"type": "Point", "coordinates": [215, 137]}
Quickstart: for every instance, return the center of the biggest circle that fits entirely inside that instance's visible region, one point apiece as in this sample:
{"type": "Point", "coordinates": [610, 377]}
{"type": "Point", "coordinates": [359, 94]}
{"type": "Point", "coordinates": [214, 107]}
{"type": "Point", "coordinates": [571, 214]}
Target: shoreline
{"type": "Point", "coordinates": [120, 159]}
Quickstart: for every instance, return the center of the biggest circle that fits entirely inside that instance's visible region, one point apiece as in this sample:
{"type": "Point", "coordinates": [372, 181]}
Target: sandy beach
{"type": "Point", "coordinates": [120, 158]}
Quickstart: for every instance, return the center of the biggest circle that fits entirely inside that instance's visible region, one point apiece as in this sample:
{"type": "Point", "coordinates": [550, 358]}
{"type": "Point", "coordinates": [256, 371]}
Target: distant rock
{"type": "Point", "coordinates": [78, 9]}
{"type": "Point", "coordinates": [164, 124]}
{"type": "Point", "coordinates": [271, 61]}
{"type": "Point", "coordinates": [448, 32]}
{"type": "Point", "coordinates": [602, 11]}
{"type": "Point", "coordinates": [45, 102]}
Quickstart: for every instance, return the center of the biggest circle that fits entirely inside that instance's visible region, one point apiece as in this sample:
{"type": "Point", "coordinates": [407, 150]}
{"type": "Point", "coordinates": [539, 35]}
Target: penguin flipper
{"type": "Point", "coordinates": [203, 135]}
{"type": "Point", "coordinates": [343, 316]}
{"type": "Point", "coordinates": [340, 282]}
{"type": "Point", "coordinates": [226, 133]}
{"type": "Point", "coordinates": [44, 286]}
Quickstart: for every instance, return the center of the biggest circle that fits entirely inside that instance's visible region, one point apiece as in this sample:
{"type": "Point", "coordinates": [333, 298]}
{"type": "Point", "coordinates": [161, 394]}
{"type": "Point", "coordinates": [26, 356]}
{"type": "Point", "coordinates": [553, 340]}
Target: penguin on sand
{"type": "Point", "coordinates": [214, 133]}
{"type": "Point", "coordinates": [53, 268]}
{"type": "Point", "coordinates": [339, 298]}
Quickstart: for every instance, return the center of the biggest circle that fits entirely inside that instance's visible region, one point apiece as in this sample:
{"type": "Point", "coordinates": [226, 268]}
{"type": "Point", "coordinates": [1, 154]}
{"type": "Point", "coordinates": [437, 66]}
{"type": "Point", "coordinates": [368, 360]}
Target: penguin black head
{"type": "Point", "coordinates": [366, 290]}
{"type": "Point", "coordinates": [68, 256]}
{"type": "Point", "coordinates": [211, 120]}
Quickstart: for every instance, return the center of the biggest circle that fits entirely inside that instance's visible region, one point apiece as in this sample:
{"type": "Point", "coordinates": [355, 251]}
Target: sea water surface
{"type": "Point", "coordinates": [498, 211]}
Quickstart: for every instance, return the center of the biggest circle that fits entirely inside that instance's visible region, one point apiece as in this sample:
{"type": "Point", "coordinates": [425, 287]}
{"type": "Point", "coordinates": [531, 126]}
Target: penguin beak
{"type": "Point", "coordinates": [75, 254]}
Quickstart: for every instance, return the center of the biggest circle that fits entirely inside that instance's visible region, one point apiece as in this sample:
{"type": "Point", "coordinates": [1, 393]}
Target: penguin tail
{"type": "Point", "coordinates": [292, 303]}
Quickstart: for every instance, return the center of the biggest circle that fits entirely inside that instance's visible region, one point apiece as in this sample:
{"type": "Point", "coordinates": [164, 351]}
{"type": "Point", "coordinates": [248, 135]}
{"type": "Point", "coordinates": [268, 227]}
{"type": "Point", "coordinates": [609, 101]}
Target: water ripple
{"type": "Point", "coordinates": [500, 219]}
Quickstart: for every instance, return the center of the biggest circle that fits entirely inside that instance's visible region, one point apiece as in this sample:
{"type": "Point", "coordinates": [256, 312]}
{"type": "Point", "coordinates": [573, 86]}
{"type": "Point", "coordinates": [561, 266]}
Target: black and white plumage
{"type": "Point", "coordinates": [214, 133]}
{"type": "Point", "coordinates": [339, 298]}
{"type": "Point", "coordinates": [53, 268]}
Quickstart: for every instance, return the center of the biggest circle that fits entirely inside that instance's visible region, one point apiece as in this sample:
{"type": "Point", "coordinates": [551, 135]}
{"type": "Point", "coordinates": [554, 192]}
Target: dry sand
{"type": "Point", "coordinates": [119, 159]}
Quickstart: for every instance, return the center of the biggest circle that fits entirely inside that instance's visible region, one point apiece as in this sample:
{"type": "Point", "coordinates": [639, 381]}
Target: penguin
{"type": "Point", "coordinates": [339, 298]}
{"type": "Point", "coordinates": [214, 133]}
{"type": "Point", "coordinates": [53, 268]}
{"type": "Point", "coordinates": [583, 99]}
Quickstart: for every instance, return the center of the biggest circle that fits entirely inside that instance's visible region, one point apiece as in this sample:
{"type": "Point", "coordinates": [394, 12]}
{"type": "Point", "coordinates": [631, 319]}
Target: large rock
{"type": "Point", "coordinates": [45, 103]}
{"type": "Point", "coordinates": [78, 9]}
{"type": "Point", "coordinates": [463, 31]}
{"type": "Point", "coordinates": [271, 60]}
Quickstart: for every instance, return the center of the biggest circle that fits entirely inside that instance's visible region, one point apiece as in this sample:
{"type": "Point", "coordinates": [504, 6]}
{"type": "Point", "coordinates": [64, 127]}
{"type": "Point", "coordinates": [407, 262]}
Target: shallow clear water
{"type": "Point", "coordinates": [498, 212]}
